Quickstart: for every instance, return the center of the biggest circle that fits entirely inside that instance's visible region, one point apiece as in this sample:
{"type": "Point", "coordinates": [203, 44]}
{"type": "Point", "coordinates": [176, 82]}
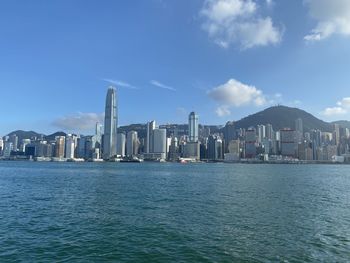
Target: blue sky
{"type": "Point", "coordinates": [221, 58]}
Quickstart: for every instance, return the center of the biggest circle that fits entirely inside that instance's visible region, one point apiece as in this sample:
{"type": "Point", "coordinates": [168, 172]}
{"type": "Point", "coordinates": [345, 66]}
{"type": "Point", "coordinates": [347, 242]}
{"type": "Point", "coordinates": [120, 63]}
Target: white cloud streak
{"type": "Point", "coordinates": [120, 83]}
{"type": "Point", "coordinates": [158, 84]}
{"type": "Point", "coordinates": [238, 22]}
{"type": "Point", "coordinates": [332, 16]}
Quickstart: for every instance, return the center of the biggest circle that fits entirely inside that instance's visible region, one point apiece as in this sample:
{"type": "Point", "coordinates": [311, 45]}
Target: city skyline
{"type": "Point", "coordinates": [171, 58]}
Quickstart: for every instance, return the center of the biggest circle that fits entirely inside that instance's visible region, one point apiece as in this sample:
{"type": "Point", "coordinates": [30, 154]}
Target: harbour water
{"type": "Point", "coordinates": [164, 212]}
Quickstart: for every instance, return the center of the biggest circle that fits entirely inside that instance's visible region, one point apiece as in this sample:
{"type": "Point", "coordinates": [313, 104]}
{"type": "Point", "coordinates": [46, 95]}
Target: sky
{"type": "Point", "coordinates": [223, 59]}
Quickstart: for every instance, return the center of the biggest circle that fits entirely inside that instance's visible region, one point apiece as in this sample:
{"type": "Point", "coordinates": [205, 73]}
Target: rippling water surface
{"type": "Point", "coordinates": [155, 212]}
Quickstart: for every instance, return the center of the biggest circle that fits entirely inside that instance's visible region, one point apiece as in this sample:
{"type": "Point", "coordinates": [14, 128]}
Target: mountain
{"type": "Point", "coordinates": [51, 137]}
{"type": "Point", "coordinates": [25, 134]}
{"type": "Point", "coordinates": [343, 123]}
{"type": "Point", "coordinates": [283, 117]}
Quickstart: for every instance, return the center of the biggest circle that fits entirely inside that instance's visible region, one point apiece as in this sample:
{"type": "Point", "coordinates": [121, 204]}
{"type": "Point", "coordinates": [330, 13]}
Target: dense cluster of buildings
{"type": "Point", "coordinates": [186, 143]}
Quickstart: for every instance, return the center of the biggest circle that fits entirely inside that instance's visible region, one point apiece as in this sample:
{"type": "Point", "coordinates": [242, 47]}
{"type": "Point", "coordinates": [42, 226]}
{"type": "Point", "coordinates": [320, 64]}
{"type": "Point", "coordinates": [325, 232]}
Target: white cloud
{"type": "Point", "coordinates": [79, 121]}
{"type": "Point", "coordinates": [238, 22]}
{"type": "Point", "coordinates": [235, 93]}
{"type": "Point", "coordinates": [223, 111]}
{"type": "Point", "coordinates": [161, 85]}
{"type": "Point", "coordinates": [342, 108]}
{"type": "Point", "coordinates": [345, 103]}
{"type": "Point", "coordinates": [333, 111]}
{"type": "Point", "coordinates": [120, 83]}
{"type": "Point", "coordinates": [333, 17]}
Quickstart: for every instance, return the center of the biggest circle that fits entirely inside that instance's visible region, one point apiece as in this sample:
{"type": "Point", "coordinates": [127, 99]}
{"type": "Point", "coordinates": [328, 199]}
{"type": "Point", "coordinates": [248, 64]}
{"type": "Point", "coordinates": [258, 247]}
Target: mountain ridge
{"type": "Point", "coordinates": [278, 116]}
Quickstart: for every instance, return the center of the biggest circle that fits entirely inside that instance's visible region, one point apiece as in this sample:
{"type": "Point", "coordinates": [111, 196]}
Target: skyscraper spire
{"type": "Point", "coordinates": [110, 126]}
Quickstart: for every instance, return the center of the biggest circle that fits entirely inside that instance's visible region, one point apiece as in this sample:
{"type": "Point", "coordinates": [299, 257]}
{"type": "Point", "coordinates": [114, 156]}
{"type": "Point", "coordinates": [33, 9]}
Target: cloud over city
{"type": "Point", "coordinates": [234, 93]}
{"type": "Point", "coordinates": [239, 22]}
{"type": "Point", "coordinates": [342, 108]}
{"type": "Point", "coordinates": [79, 121]}
{"type": "Point", "coordinates": [332, 16]}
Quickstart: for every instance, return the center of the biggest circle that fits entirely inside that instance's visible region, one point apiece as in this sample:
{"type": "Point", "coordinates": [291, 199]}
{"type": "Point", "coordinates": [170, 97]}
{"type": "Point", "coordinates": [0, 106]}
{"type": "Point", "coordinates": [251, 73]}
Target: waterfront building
{"type": "Point", "coordinates": [149, 137]}
{"type": "Point", "coordinates": [234, 147]}
{"type": "Point", "coordinates": [299, 130]}
{"type": "Point", "coordinates": [193, 127]}
{"type": "Point", "coordinates": [14, 139]}
{"type": "Point", "coordinates": [261, 133]}
{"type": "Point", "coordinates": [173, 149]}
{"type": "Point", "coordinates": [269, 132]}
{"type": "Point", "coordinates": [288, 144]}
{"type": "Point", "coordinates": [159, 142]}
{"type": "Point", "coordinates": [23, 145]}
{"type": "Point", "coordinates": [250, 143]}
{"type": "Point", "coordinates": [8, 148]}
{"type": "Point", "coordinates": [121, 142]}
{"type": "Point", "coordinates": [1, 146]}
{"type": "Point", "coordinates": [214, 148]}
{"type": "Point", "coordinates": [110, 125]}
{"type": "Point", "coordinates": [99, 133]}
{"type": "Point", "coordinates": [305, 151]}
{"type": "Point", "coordinates": [70, 146]}
{"type": "Point", "coordinates": [192, 150]}
{"type": "Point", "coordinates": [59, 146]}
{"type": "Point", "coordinates": [132, 144]}
{"type": "Point", "coordinates": [336, 134]}
{"type": "Point", "coordinates": [230, 133]}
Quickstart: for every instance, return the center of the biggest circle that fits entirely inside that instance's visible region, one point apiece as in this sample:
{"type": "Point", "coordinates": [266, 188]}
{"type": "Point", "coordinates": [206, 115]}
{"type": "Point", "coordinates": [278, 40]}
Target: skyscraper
{"type": "Point", "coordinates": [193, 127]}
{"type": "Point", "coordinates": [110, 126]}
{"type": "Point", "coordinates": [132, 143]}
{"type": "Point", "coordinates": [149, 139]}
{"type": "Point", "coordinates": [261, 133]}
{"type": "Point", "coordinates": [299, 129]}
{"type": "Point", "coordinates": [159, 142]}
{"type": "Point", "coordinates": [121, 142]}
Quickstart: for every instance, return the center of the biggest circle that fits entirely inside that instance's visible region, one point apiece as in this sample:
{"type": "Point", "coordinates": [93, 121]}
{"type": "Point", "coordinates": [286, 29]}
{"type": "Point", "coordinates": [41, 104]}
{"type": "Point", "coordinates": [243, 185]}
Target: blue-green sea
{"type": "Point", "coordinates": [164, 212]}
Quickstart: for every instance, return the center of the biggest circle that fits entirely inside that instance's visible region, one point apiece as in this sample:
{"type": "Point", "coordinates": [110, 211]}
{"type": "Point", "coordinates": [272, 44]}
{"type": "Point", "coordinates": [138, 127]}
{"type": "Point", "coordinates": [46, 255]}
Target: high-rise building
{"type": "Point", "coordinates": [149, 136]}
{"type": "Point", "coordinates": [110, 125]}
{"type": "Point", "coordinates": [299, 130]}
{"type": "Point", "coordinates": [193, 127]}
{"type": "Point", "coordinates": [250, 143]}
{"type": "Point", "coordinates": [8, 148]}
{"type": "Point", "coordinates": [173, 149]}
{"type": "Point", "coordinates": [23, 145]}
{"type": "Point", "coordinates": [336, 134]}
{"type": "Point", "coordinates": [288, 144]}
{"type": "Point", "coordinates": [132, 144]}
{"type": "Point", "coordinates": [269, 132]}
{"type": "Point", "coordinates": [159, 142]}
{"type": "Point", "coordinates": [229, 134]}
{"type": "Point", "coordinates": [1, 146]}
{"type": "Point", "coordinates": [59, 146]}
{"type": "Point", "coordinates": [121, 141]}
{"type": "Point", "coordinates": [14, 139]}
{"type": "Point", "coordinates": [99, 132]}
{"type": "Point", "coordinates": [70, 146]}
{"type": "Point", "coordinates": [214, 148]}
{"type": "Point", "coordinates": [261, 133]}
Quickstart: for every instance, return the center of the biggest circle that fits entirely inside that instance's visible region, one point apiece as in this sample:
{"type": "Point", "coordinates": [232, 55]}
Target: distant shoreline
{"type": "Point", "coordinates": [197, 162]}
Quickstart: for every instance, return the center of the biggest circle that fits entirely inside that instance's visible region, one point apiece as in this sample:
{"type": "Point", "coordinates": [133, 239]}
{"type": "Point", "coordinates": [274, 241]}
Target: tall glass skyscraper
{"type": "Point", "coordinates": [110, 127]}
{"type": "Point", "coordinates": [193, 127]}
